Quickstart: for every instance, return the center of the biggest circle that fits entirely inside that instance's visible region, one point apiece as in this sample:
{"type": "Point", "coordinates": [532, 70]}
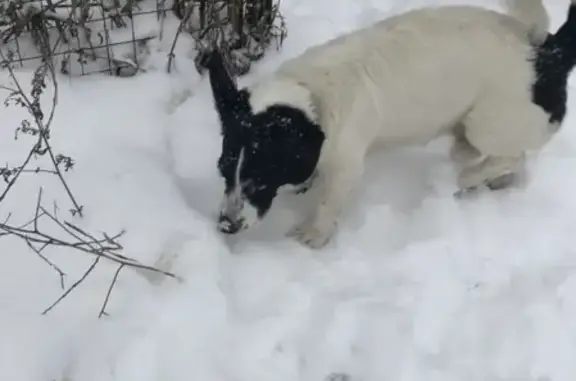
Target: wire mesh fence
{"type": "Point", "coordinates": [82, 37]}
{"type": "Point", "coordinates": [79, 36]}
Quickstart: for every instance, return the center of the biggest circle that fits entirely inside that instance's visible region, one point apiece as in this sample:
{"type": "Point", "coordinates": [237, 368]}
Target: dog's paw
{"type": "Point", "coordinates": [312, 236]}
{"type": "Point", "coordinates": [466, 193]}
{"type": "Point", "coordinates": [502, 182]}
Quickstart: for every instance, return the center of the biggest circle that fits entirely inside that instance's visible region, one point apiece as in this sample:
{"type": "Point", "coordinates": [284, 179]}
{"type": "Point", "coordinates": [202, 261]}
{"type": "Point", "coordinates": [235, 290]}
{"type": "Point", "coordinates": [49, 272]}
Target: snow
{"type": "Point", "coordinates": [416, 286]}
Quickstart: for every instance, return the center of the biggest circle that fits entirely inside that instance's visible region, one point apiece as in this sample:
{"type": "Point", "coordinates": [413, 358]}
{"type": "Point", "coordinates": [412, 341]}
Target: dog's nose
{"type": "Point", "coordinates": [228, 226]}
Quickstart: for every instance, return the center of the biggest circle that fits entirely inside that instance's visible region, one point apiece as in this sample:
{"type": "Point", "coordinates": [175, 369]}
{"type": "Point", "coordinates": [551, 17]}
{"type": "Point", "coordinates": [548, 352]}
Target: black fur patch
{"type": "Point", "coordinates": [280, 146]}
{"type": "Point", "coordinates": [553, 63]}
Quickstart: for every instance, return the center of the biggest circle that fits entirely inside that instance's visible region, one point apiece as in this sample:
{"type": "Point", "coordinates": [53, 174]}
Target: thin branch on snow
{"type": "Point", "coordinates": [73, 287]}
{"type": "Point", "coordinates": [112, 284]}
{"type": "Point", "coordinates": [63, 233]}
{"type": "Point", "coordinates": [41, 129]}
{"type": "Point", "coordinates": [78, 239]}
{"type": "Point", "coordinates": [39, 250]}
{"type": "Point", "coordinates": [37, 240]}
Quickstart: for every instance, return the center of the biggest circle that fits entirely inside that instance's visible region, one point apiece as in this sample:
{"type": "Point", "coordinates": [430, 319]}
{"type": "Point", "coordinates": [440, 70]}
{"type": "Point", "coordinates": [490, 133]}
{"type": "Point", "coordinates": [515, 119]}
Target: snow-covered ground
{"type": "Point", "coordinates": [417, 286]}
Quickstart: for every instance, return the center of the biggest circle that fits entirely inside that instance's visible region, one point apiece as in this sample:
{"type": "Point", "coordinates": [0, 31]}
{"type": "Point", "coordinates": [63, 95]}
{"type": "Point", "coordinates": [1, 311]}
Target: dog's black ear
{"type": "Point", "coordinates": [231, 103]}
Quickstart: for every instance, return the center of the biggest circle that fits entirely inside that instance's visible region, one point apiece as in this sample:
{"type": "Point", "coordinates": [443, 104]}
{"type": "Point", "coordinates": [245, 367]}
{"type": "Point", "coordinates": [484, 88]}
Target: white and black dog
{"type": "Point", "coordinates": [495, 82]}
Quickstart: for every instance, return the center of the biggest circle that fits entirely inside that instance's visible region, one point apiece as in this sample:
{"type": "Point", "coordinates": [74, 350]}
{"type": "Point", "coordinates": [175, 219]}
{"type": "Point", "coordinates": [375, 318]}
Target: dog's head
{"type": "Point", "coordinates": [270, 138]}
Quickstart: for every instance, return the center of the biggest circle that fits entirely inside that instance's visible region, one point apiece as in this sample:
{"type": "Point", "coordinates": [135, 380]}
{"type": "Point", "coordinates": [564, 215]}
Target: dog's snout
{"type": "Point", "coordinates": [229, 226]}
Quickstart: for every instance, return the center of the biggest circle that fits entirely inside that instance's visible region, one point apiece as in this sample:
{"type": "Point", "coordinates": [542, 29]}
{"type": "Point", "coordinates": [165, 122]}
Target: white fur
{"type": "Point", "coordinates": [285, 92]}
{"type": "Point", "coordinates": [407, 80]}
{"type": "Point", "coordinates": [533, 14]}
{"type": "Point", "coordinates": [235, 207]}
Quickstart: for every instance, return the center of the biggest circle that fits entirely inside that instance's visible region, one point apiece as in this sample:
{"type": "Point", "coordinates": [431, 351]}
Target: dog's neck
{"type": "Point", "coordinates": [283, 91]}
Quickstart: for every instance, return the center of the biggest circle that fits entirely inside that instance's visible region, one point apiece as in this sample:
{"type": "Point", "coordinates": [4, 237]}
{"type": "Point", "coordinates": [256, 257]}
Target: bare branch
{"type": "Point", "coordinates": [112, 284]}
{"type": "Point", "coordinates": [73, 287]}
{"type": "Point", "coordinates": [242, 29]}
{"type": "Point", "coordinates": [189, 11]}
{"type": "Point", "coordinates": [52, 265]}
{"type": "Point", "coordinates": [63, 233]}
{"type": "Point", "coordinates": [106, 247]}
{"type": "Point", "coordinates": [38, 206]}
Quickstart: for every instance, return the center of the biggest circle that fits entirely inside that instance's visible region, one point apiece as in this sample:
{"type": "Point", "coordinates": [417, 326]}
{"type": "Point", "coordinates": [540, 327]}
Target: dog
{"type": "Point", "coordinates": [494, 81]}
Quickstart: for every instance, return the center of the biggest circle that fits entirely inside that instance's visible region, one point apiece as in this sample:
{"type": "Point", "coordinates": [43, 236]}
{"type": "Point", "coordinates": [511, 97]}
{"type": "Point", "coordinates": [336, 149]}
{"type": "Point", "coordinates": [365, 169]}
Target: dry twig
{"type": "Point", "coordinates": [73, 287]}
{"type": "Point", "coordinates": [66, 234]}
{"type": "Point", "coordinates": [242, 29]}
{"type": "Point", "coordinates": [112, 284]}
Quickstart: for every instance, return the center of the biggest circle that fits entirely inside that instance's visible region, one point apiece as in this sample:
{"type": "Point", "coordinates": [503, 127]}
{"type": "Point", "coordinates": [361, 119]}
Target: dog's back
{"type": "Point", "coordinates": [352, 46]}
{"type": "Point", "coordinates": [423, 67]}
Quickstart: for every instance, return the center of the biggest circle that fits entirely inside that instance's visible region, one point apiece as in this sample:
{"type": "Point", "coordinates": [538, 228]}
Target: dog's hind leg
{"type": "Point", "coordinates": [462, 153]}
{"type": "Point", "coordinates": [503, 130]}
{"type": "Point", "coordinates": [472, 163]}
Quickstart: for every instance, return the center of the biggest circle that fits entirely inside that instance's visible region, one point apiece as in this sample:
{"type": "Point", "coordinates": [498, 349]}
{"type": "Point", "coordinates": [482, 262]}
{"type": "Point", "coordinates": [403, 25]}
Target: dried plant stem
{"type": "Point", "coordinates": [62, 234]}
{"type": "Point", "coordinates": [107, 299]}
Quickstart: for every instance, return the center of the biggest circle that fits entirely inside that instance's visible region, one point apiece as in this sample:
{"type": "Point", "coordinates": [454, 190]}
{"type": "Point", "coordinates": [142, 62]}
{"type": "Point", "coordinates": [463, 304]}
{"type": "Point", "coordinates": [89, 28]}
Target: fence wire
{"type": "Point", "coordinates": [81, 37]}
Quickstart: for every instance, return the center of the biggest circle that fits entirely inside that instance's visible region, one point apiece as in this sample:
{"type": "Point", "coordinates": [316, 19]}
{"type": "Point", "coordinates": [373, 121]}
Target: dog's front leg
{"type": "Point", "coordinates": [337, 181]}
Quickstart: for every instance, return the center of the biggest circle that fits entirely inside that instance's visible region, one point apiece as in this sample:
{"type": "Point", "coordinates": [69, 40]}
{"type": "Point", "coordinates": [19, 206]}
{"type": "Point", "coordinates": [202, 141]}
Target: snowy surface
{"type": "Point", "coordinates": [417, 286]}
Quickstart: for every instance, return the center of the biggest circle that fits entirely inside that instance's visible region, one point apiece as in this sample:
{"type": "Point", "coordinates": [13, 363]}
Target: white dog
{"type": "Point", "coordinates": [496, 82]}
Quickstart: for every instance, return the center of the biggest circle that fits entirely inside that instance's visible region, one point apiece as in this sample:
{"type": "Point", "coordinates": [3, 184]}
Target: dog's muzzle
{"type": "Point", "coordinates": [228, 226]}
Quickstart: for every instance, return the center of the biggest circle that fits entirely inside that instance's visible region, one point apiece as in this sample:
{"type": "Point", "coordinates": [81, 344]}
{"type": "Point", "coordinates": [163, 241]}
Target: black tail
{"type": "Point", "coordinates": [564, 40]}
{"type": "Point", "coordinates": [554, 61]}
